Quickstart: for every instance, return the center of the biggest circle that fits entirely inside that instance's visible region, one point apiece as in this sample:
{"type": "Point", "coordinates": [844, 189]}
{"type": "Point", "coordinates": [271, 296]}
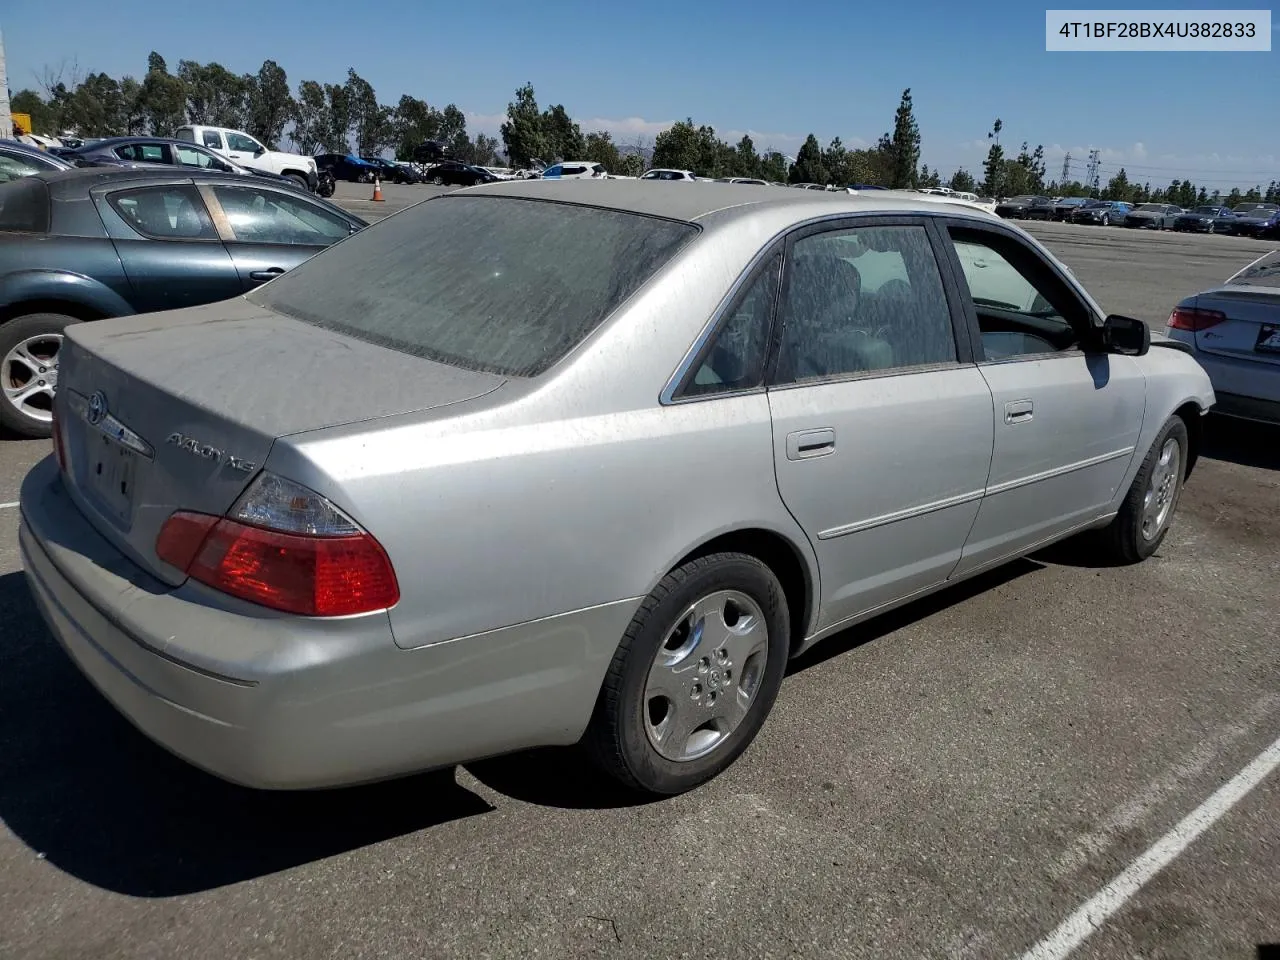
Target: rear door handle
{"type": "Point", "coordinates": [804, 444]}
{"type": "Point", "coordinates": [262, 276]}
{"type": "Point", "coordinates": [1018, 411]}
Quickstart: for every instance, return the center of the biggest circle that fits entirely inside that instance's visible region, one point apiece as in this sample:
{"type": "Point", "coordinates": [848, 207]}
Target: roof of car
{"type": "Point", "coordinates": [655, 199]}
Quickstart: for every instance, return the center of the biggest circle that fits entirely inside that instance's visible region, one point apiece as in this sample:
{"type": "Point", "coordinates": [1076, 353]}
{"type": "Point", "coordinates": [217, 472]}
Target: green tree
{"type": "Point", "coordinates": [809, 166]}
{"type": "Point", "coordinates": [904, 145]}
{"type": "Point", "coordinates": [453, 131]}
{"type": "Point", "coordinates": [415, 122]}
{"type": "Point", "coordinates": [336, 118]}
{"type": "Point", "coordinates": [745, 160]}
{"type": "Point", "coordinates": [963, 182]}
{"type": "Point", "coordinates": [994, 167]}
{"type": "Point", "coordinates": [214, 95]}
{"type": "Point", "coordinates": [773, 167]}
{"type": "Point", "coordinates": [44, 119]}
{"type": "Point", "coordinates": [1233, 197]}
{"type": "Point", "coordinates": [310, 118]}
{"type": "Point", "coordinates": [371, 122]}
{"type": "Point", "coordinates": [522, 133]}
{"type": "Point", "coordinates": [163, 97]}
{"type": "Point", "coordinates": [270, 105]}
{"type": "Point", "coordinates": [1118, 187]}
{"type": "Point", "coordinates": [631, 165]}
{"type": "Point", "coordinates": [563, 137]}
{"type": "Point", "coordinates": [678, 147]}
{"type": "Point", "coordinates": [929, 178]}
{"type": "Point", "coordinates": [600, 148]}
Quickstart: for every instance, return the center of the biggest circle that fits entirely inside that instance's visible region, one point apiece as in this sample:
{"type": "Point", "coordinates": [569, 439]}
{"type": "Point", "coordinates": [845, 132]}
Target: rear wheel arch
{"type": "Point", "coordinates": [792, 568]}
{"type": "Point", "coordinates": [68, 308]}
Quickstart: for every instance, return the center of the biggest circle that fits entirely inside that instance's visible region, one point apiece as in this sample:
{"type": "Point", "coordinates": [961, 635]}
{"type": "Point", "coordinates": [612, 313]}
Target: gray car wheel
{"type": "Point", "coordinates": [29, 348]}
{"type": "Point", "coordinates": [1147, 512]}
{"type": "Point", "coordinates": [694, 677]}
{"type": "Point", "coordinates": [438, 180]}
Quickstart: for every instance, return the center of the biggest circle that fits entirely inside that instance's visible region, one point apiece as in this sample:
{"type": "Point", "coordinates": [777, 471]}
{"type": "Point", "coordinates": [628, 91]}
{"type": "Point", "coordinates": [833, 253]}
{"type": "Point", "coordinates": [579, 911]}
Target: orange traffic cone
{"type": "Point", "coordinates": [377, 188]}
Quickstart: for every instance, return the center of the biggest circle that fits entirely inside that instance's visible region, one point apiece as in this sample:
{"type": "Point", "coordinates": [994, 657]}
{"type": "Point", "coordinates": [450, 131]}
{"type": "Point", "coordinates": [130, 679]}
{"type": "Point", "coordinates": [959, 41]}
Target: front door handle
{"type": "Point", "coordinates": [804, 444]}
{"type": "Point", "coordinates": [1018, 411]}
{"type": "Point", "coordinates": [262, 276]}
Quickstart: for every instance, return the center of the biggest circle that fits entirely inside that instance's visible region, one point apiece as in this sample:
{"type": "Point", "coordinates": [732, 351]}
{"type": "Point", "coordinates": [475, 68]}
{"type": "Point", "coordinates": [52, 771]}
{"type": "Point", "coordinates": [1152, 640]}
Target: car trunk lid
{"type": "Point", "coordinates": [1252, 328]}
{"type": "Point", "coordinates": [178, 410]}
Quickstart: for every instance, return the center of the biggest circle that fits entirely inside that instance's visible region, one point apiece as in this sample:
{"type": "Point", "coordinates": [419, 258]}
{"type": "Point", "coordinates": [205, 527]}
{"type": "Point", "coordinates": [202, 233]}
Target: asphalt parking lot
{"type": "Point", "coordinates": [951, 780]}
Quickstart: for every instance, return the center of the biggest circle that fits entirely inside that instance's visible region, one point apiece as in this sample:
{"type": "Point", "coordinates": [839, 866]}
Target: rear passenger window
{"type": "Point", "coordinates": [213, 140]}
{"type": "Point", "coordinates": [735, 360]}
{"type": "Point", "coordinates": [864, 300]}
{"type": "Point", "coordinates": [165, 213]}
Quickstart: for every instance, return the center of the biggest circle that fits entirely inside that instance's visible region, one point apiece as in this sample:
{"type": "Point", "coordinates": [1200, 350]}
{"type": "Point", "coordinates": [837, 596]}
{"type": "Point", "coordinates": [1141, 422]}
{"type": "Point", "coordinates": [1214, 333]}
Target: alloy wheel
{"type": "Point", "coordinates": [705, 675]}
{"type": "Point", "coordinates": [29, 373]}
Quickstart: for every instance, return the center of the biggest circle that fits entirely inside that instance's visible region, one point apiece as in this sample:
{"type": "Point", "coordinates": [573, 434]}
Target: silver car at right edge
{"type": "Point", "coordinates": [542, 462]}
{"type": "Point", "coordinates": [1234, 331]}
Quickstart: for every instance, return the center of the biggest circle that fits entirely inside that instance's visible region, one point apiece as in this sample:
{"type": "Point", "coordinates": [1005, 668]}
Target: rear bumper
{"type": "Point", "coordinates": [1245, 389]}
{"type": "Point", "coordinates": [278, 702]}
{"type": "Point", "coordinates": [1247, 408]}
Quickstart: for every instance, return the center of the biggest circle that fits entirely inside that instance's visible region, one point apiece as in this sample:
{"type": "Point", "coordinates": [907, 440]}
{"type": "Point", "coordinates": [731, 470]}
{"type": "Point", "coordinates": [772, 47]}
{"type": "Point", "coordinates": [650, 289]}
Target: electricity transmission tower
{"type": "Point", "coordinates": [1093, 169]}
{"type": "Point", "coordinates": [1066, 169]}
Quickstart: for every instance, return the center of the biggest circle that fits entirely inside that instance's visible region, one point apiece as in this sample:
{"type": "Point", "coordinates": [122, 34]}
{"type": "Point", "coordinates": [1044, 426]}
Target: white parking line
{"type": "Point", "coordinates": [1090, 916]}
{"type": "Point", "coordinates": [7, 506]}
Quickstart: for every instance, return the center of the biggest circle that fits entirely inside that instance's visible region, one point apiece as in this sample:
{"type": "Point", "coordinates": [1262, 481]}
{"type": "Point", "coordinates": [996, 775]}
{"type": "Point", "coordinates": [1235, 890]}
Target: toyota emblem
{"type": "Point", "coordinates": [97, 407]}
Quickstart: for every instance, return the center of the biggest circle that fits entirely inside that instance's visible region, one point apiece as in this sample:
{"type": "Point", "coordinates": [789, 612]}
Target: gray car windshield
{"type": "Point", "coordinates": [1264, 272]}
{"type": "Point", "coordinates": [1151, 207]}
{"type": "Point", "coordinates": [496, 284]}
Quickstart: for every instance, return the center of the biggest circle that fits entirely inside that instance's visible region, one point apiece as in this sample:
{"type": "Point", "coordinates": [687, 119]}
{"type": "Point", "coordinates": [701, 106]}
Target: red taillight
{"type": "Point", "coordinates": [296, 571]}
{"type": "Point", "coordinates": [182, 536]}
{"type": "Point", "coordinates": [1186, 318]}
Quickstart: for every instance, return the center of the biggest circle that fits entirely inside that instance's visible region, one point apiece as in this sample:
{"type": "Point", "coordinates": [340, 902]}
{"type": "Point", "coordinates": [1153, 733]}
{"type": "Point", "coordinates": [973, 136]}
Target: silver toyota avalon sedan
{"type": "Point", "coordinates": [545, 463]}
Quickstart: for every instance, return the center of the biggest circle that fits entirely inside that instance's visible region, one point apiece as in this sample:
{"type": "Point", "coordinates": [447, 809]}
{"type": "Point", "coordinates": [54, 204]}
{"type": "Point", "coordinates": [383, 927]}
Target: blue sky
{"type": "Point", "coordinates": [777, 72]}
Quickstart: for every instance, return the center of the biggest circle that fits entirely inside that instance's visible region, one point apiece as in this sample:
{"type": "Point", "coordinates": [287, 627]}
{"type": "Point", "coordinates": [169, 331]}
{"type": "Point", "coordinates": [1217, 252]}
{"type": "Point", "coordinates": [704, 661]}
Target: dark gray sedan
{"type": "Point", "coordinates": [143, 152]}
{"type": "Point", "coordinates": [1153, 216]}
{"type": "Point", "coordinates": [19, 160]}
{"type": "Point", "coordinates": [116, 242]}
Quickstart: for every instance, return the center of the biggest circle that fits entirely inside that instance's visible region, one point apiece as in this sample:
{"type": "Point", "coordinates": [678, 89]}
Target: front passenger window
{"type": "Point", "coordinates": [1021, 310]}
{"type": "Point", "coordinates": [864, 300]}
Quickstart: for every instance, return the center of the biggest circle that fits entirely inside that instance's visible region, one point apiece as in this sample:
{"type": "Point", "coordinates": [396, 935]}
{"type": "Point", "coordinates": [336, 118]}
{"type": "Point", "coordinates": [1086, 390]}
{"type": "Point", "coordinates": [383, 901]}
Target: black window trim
{"type": "Point", "coordinates": [1089, 340]}
{"type": "Point", "coordinates": [960, 336]}
{"type": "Point", "coordinates": [108, 193]}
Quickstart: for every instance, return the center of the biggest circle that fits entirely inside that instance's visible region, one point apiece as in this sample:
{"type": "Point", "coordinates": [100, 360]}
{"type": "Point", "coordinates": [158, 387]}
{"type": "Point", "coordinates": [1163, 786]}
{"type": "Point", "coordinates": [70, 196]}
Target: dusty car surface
{"type": "Point", "coordinates": [616, 457]}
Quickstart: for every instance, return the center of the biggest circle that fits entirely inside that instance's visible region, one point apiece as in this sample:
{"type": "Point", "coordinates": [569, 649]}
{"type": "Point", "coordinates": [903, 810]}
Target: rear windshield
{"type": "Point", "coordinates": [24, 206]}
{"type": "Point", "coordinates": [1264, 272]}
{"type": "Point", "coordinates": [496, 284]}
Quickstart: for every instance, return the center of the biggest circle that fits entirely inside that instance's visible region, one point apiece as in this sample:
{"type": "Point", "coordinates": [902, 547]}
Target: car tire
{"type": "Point", "coordinates": [299, 180]}
{"type": "Point", "coordinates": [1148, 509]}
{"type": "Point", "coordinates": [1106, 220]}
{"type": "Point", "coordinates": [438, 181]}
{"type": "Point", "coordinates": [24, 341]}
{"type": "Point", "coordinates": [676, 710]}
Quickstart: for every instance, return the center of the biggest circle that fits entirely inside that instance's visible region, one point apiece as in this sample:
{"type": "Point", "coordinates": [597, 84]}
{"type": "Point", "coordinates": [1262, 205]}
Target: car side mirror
{"type": "Point", "coordinates": [1125, 336]}
{"type": "Point", "coordinates": [260, 151]}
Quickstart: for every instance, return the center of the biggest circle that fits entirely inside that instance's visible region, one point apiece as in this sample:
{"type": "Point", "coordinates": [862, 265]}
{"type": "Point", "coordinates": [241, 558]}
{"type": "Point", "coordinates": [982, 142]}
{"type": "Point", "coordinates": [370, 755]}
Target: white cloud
{"type": "Point", "coordinates": [488, 123]}
{"type": "Point", "coordinates": [626, 127]}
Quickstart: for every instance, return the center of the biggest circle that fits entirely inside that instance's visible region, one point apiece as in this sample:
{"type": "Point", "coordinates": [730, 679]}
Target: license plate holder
{"type": "Point", "coordinates": [1268, 339]}
{"type": "Point", "coordinates": [110, 473]}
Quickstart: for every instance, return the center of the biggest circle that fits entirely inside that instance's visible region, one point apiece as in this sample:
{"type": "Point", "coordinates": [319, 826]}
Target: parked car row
{"type": "Point", "coordinates": [1245, 219]}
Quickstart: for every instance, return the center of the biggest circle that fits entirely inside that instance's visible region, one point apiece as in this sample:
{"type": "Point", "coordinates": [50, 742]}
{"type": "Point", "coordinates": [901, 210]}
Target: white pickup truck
{"type": "Point", "coordinates": [245, 150]}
